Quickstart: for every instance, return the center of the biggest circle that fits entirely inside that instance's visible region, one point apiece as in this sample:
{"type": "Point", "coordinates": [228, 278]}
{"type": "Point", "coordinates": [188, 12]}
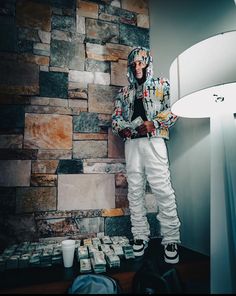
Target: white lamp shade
{"type": "Point", "coordinates": [203, 77]}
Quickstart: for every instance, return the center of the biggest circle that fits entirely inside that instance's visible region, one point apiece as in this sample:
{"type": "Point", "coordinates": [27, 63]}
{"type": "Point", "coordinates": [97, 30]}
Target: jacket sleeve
{"type": "Point", "coordinates": [165, 118]}
{"type": "Point", "coordinates": [118, 122]}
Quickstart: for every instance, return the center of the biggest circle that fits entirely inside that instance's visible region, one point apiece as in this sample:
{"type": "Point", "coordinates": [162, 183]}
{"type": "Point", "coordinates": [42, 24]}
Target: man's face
{"type": "Point", "coordinates": [138, 67]}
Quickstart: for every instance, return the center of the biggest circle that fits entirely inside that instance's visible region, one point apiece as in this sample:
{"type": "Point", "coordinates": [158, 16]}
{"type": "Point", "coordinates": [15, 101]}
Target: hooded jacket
{"type": "Point", "coordinates": [154, 94]}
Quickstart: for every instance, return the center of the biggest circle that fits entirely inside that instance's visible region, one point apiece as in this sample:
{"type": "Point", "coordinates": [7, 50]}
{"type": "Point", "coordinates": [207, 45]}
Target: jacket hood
{"type": "Point", "coordinates": [139, 54]}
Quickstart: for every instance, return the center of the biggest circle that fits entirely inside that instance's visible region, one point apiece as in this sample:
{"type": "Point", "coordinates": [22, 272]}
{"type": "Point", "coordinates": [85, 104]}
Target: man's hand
{"type": "Point", "coordinates": [146, 127]}
{"type": "Point", "coordinates": [125, 133]}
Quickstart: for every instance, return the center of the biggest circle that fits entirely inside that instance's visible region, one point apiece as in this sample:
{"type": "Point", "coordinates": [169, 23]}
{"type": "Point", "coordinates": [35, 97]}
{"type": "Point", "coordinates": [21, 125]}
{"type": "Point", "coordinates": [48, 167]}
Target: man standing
{"type": "Point", "coordinates": [142, 118]}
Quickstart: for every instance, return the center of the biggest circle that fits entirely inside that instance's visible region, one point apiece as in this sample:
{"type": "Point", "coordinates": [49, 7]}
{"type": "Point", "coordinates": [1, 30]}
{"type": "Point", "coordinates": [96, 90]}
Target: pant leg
{"type": "Point", "coordinates": [158, 176]}
{"type": "Point", "coordinates": [136, 190]}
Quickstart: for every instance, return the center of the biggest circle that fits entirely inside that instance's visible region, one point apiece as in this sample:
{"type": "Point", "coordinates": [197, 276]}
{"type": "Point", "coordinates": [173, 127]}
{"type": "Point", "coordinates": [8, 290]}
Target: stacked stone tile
{"type": "Point", "coordinates": [62, 63]}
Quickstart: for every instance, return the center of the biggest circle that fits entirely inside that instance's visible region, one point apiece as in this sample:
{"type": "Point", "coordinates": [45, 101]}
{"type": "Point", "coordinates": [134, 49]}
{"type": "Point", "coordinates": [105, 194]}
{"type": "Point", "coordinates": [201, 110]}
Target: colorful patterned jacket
{"type": "Point", "coordinates": [154, 94]}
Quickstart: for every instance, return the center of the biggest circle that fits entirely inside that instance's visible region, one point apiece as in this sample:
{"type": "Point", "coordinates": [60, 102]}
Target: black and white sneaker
{"type": "Point", "coordinates": [171, 253]}
{"type": "Point", "coordinates": [139, 247]}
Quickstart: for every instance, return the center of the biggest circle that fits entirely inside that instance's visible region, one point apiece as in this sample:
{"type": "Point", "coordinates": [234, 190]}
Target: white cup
{"type": "Point", "coordinates": [68, 251]}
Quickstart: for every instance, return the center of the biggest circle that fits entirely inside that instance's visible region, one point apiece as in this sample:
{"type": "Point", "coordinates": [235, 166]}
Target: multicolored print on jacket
{"type": "Point", "coordinates": [154, 94]}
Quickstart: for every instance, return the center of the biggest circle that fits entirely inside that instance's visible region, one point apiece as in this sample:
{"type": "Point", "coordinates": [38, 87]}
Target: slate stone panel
{"type": "Point", "coordinates": [63, 23]}
{"type": "Point", "coordinates": [53, 84]}
{"type": "Point", "coordinates": [70, 166]}
{"type": "Point", "coordinates": [86, 122]}
{"type": "Point", "coordinates": [134, 36]}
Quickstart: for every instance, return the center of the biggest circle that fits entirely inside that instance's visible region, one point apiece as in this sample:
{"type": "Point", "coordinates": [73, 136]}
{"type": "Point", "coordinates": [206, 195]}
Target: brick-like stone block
{"type": "Point", "coordinates": [118, 73]}
{"type": "Point", "coordinates": [17, 77]}
{"type": "Point", "coordinates": [56, 227]}
{"type": "Point", "coordinates": [48, 131]}
{"type": "Point", "coordinates": [97, 66]}
{"type": "Point", "coordinates": [88, 149]}
{"type": "Point", "coordinates": [112, 212]}
{"type": "Point", "coordinates": [43, 180]}
{"type": "Point", "coordinates": [143, 21]}
{"type": "Point", "coordinates": [91, 167]}
{"type": "Point", "coordinates": [139, 6]}
{"type": "Point", "coordinates": [101, 98]}
{"type": "Point", "coordinates": [35, 199]}
{"type": "Point", "coordinates": [121, 180]}
{"type": "Point", "coordinates": [115, 146]}
{"type": "Point", "coordinates": [18, 154]}
{"type": "Point", "coordinates": [90, 225]}
{"type": "Point", "coordinates": [54, 154]}
{"type": "Point", "coordinates": [90, 136]}
{"type": "Point", "coordinates": [86, 191]}
{"type": "Point", "coordinates": [101, 31]}
{"type": "Point", "coordinates": [121, 198]}
{"type": "Point", "coordinates": [87, 9]}
{"type": "Point", "coordinates": [44, 166]}
{"type": "Point", "coordinates": [108, 52]}
{"type": "Point", "coordinates": [15, 173]}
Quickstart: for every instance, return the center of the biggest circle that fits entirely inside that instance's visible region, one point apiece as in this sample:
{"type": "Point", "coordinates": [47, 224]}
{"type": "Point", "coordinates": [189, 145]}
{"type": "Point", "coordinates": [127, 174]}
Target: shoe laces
{"type": "Point", "coordinates": [171, 247]}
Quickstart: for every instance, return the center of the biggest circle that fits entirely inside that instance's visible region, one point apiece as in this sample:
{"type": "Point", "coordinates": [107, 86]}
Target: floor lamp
{"type": "Point", "coordinates": [203, 84]}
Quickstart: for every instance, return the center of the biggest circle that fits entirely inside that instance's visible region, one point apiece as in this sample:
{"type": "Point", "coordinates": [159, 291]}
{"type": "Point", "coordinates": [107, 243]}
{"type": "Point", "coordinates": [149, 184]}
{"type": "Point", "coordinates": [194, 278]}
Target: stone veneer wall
{"type": "Point", "coordinates": [62, 172]}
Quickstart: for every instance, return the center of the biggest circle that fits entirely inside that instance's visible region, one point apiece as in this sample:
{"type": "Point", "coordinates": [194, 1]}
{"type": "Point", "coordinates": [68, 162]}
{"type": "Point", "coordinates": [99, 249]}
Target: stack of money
{"type": "Point", "coordinates": [100, 234]}
{"type": "Point", "coordinates": [24, 260]}
{"type": "Point", "coordinates": [82, 252]}
{"type": "Point", "coordinates": [57, 255]}
{"type": "Point", "coordinates": [96, 241]}
{"type": "Point", "coordinates": [123, 240]}
{"type": "Point", "coordinates": [46, 257]}
{"type": "Point", "coordinates": [99, 262]}
{"type": "Point", "coordinates": [106, 239]}
{"type": "Point", "coordinates": [105, 248]}
{"type": "Point", "coordinates": [91, 250]}
{"type": "Point", "coordinates": [87, 242]}
{"type": "Point", "coordinates": [118, 250]}
{"type": "Point", "coordinates": [85, 265]}
{"type": "Point", "coordinates": [128, 251]}
{"type": "Point", "coordinates": [113, 260]}
{"type": "Point", "coordinates": [35, 259]}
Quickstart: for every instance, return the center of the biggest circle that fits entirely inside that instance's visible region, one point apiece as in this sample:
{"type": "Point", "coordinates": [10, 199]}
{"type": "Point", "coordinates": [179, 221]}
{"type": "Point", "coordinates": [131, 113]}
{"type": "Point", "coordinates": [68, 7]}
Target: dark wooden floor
{"type": "Point", "coordinates": [193, 270]}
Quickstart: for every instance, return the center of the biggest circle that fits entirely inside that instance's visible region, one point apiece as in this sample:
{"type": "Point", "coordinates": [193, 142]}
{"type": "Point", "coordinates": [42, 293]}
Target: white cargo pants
{"type": "Point", "coordinates": [147, 159]}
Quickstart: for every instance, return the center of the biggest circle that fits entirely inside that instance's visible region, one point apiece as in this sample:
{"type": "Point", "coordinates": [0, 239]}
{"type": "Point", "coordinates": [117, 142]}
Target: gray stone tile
{"type": "Point", "coordinates": [70, 166]}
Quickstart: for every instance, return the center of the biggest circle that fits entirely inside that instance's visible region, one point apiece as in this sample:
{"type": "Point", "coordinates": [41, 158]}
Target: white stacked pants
{"type": "Point", "coordinates": [147, 160]}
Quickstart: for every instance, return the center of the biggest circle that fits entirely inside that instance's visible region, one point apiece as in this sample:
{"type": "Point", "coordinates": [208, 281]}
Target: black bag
{"type": "Point", "coordinates": [94, 284]}
{"type": "Point", "coordinates": [150, 280]}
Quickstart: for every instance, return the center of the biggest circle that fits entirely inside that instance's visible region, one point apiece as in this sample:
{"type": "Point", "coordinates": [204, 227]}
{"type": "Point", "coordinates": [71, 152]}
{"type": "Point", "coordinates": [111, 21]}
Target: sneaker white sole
{"type": "Point", "coordinates": [138, 254]}
{"type": "Point", "coordinates": [172, 261]}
